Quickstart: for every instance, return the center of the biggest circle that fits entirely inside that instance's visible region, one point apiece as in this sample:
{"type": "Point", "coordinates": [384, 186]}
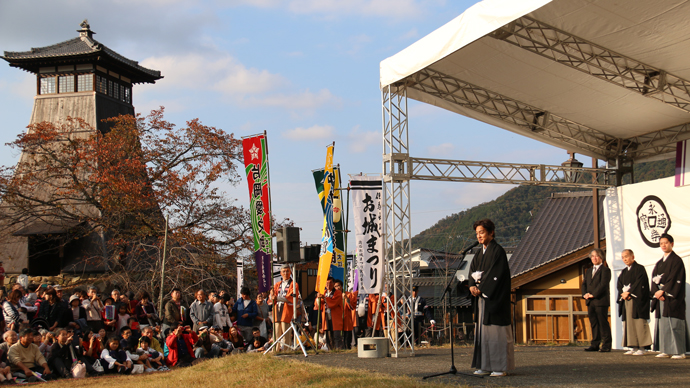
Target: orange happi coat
{"type": "Point", "coordinates": [287, 308]}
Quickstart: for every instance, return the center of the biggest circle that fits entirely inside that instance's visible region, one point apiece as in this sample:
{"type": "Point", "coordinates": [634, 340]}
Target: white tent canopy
{"type": "Point", "coordinates": [604, 78]}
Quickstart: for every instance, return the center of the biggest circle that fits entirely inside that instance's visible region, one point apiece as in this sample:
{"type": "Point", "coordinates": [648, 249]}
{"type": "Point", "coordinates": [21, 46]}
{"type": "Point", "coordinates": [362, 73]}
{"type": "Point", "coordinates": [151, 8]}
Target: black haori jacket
{"type": "Point", "coordinates": [635, 277]}
{"type": "Point", "coordinates": [494, 283]}
{"type": "Point", "coordinates": [672, 278]}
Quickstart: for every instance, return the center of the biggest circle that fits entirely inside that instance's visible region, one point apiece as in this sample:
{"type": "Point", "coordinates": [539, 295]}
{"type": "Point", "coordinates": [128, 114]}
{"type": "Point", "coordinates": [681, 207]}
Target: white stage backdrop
{"type": "Point", "coordinates": [367, 208]}
{"type": "Point", "coordinates": [635, 217]}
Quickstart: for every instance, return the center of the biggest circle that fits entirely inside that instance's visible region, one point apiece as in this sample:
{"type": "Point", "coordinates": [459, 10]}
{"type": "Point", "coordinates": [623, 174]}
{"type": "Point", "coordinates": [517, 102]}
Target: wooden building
{"type": "Point", "coordinates": [82, 78]}
{"type": "Point", "coordinates": [547, 269]}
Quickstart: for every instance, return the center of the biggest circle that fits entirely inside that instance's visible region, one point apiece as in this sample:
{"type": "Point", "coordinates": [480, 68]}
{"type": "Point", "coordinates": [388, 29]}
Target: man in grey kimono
{"type": "Point", "coordinates": [633, 305]}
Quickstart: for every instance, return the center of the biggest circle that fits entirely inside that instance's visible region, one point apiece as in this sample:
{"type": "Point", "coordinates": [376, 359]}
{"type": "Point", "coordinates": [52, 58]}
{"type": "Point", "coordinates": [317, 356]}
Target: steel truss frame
{"type": "Point", "coordinates": [543, 124]}
{"type": "Point", "coordinates": [399, 168]}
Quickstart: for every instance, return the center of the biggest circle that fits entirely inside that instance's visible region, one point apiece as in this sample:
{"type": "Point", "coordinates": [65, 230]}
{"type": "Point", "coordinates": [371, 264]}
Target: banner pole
{"type": "Point", "coordinates": [165, 250]}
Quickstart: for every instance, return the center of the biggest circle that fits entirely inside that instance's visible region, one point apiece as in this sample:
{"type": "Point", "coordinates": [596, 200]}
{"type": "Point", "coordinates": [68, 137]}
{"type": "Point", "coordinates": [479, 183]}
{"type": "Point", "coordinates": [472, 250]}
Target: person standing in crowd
{"type": "Point", "coordinates": [490, 285]}
{"type": "Point", "coordinates": [284, 298]}
{"type": "Point", "coordinates": [668, 287]}
{"type": "Point", "coordinates": [262, 319]}
{"type": "Point", "coordinates": [633, 302]}
{"type": "Point", "coordinates": [94, 308]}
{"type": "Point", "coordinates": [420, 311]}
{"type": "Point", "coordinates": [145, 311]}
{"type": "Point", "coordinates": [331, 307]}
{"type": "Point", "coordinates": [373, 304]}
{"type": "Point", "coordinates": [349, 313]}
{"type": "Point", "coordinates": [201, 311]}
{"type": "Point", "coordinates": [221, 318]}
{"type": "Point", "coordinates": [173, 310]}
{"type": "Point", "coordinates": [246, 310]}
{"type": "Point", "coordinates": [595, 291]}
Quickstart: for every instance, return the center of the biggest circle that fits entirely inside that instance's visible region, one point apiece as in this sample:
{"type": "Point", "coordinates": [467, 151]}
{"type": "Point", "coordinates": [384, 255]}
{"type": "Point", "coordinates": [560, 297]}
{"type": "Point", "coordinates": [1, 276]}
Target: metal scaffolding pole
{"type": "Point", "coordinates": [396, 213]}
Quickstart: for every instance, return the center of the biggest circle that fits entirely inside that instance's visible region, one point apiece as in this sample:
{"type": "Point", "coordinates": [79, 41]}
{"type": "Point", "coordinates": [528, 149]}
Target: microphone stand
{"type": "Point", "coordinates": [453, 370]}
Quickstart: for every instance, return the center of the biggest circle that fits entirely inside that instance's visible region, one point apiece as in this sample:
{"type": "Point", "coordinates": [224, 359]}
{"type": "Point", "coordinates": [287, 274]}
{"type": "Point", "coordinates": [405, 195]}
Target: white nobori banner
{"type": "Point", "coordinates": [636, 215]}
{"type": "Point", "coordinates": [367, 195]}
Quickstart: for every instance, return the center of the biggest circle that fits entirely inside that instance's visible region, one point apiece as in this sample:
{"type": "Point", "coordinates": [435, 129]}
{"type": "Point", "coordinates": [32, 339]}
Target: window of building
{"type": "Point", "coordinates": [84, 82]}
{"type": "Point", "coordinates": [127, 95]}
{"type": "Point", "coordinates": [47, 85]}
{"type": "Point", "coordinates": [110, 88]}
{"type": "Point", "coordinates": [66, 84]}
{"type": "Point", "coordinates": [557, 318]}
{"type": "Point", "coordinates": [101, 84]}
{"type": "Point", "coordinates": [116, 90]}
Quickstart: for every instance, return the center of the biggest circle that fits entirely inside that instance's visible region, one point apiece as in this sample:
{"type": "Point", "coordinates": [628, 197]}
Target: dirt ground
{"type": "Point", "coordinates": [535, 366]}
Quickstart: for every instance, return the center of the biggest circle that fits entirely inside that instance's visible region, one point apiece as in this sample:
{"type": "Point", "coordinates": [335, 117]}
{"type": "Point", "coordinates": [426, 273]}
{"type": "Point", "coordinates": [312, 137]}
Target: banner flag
{"type": "Point", "coordinates": [255, 150]}
{"type": "Point", "coordinates": [636, 216]}
{"type": "Point", "coordinates": [337, 266]}
{"type": "Point", "coordinates": [682, 163]}
{"type": "Point", "coordinates": [367, 194]}
{"type": "Point", "coordinates": [326, 255]}
{"type": "Point", "coordinates": [240, 277]}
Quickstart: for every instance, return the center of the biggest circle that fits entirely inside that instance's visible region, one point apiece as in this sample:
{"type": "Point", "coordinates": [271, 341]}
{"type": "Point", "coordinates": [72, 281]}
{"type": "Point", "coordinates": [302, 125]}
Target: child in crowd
{"type": "Point", "coordinates": [154, 357]}
{"type": "Point", "coordinates": [114, 359]}
{"type": "Point", "coordinates": [109, 315]}
{"type": "Point", "coordinates": [257, 345]}
{"type": "Point", "coordinates": [122, 317]}
{"type": "Point", "coordinates": [129, 344]}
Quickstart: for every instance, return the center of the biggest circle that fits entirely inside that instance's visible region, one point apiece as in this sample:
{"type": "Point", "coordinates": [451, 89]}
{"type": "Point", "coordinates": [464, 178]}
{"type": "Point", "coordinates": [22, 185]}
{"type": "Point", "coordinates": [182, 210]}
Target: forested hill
{"type": "Point", "coordinates": [511, 213]}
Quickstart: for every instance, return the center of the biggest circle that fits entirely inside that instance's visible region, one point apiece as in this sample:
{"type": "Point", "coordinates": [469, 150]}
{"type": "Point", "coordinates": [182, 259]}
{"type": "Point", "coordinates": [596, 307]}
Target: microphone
{"type": "Point", "coordinates": [470, 248]}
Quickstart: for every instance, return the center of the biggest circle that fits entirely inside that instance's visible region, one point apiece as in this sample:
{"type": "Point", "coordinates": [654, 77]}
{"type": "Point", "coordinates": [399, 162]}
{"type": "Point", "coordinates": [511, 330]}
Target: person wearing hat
{"type": "Point", "coordinates": [284, 298]}
{"type": "Point", "coordinates": [420, 310]}
{"type": "Point", "coordinates": [77, 318]}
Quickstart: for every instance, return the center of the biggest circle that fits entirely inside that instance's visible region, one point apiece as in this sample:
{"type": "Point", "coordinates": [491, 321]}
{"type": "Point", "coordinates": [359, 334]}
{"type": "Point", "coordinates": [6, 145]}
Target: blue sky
{"type": "Point", "coordinates": [305, 71]}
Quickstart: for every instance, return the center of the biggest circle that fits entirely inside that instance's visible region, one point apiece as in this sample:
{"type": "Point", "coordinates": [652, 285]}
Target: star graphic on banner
{"type": "Point", "coordinates": [254, 152]}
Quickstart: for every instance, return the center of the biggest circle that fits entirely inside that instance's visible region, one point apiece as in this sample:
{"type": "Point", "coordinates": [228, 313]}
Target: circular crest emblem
{"type": "Point", "coordinates": [653, 220]}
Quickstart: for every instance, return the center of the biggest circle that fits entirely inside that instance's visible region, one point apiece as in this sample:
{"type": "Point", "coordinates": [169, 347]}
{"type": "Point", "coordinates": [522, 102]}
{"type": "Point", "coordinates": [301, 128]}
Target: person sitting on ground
{"type": "Point", "coordinates": [10, 338]}
{"type": "Point", "coordinates": [147, 332]}
{"type": "Point", "coordinates": [204, 347]}
{"type": "Point", "coordinates": [256, 345]}
{"type": "Point", "coordinates": [180, 344]}
{"type": "Point", "coordinates": [154, 357]}
{"type": "Point", "coordinates": [47, 341]}
{"type": "Point", "coordinates": [129, 343]}
{"type": "Point", "coordinates": [25, 359]}
{"type": "Point", "coordinates": [91, 346]}
{"type": "Point", "coordinates": [256, 333]}
{"type": "Point", "coordinates": [236, 339]}
{"type": "Point", "coordinates": [224, 346]}
{"type": "Point", "coordinates": [5, 373]}
{"type": "Point", "coordinates": [64, 354]}
{"type": "Point", "coordinates": [114, 359]}
{"type": "Point", "coordinates": [14, 319]}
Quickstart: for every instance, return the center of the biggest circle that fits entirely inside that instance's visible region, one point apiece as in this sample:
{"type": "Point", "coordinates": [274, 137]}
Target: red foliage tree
{"type": "Point", "coordinates": [118, 185]}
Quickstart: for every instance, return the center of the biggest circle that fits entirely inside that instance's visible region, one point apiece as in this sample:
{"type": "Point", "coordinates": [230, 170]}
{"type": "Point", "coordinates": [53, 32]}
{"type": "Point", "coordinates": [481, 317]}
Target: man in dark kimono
{"type": "Point", "coordinates": [595, 290]}
{"type": "Point", "coordinates": [668, 287]}
{"type": "Point", "coordinates": [490, 285]}
{"type": "Point", "coordinates": [420, 311]}
{"type": "Point", "coordinates": [633, 305]}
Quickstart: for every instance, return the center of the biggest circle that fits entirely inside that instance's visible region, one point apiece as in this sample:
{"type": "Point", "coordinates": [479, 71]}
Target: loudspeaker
{"type": "Point", "coordinates": [287, 241]}
{"type": "Point", "coordinates": [310, 253]}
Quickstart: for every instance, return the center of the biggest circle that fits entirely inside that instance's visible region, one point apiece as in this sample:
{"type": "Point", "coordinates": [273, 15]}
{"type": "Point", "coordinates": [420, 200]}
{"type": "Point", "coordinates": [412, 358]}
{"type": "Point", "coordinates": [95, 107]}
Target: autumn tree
{"type": "Point", "coordinates": [115, 188]}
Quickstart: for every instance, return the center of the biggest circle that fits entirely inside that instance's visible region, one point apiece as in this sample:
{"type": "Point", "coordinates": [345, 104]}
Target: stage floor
{"type": "Point", "coordinates": [535, 366]}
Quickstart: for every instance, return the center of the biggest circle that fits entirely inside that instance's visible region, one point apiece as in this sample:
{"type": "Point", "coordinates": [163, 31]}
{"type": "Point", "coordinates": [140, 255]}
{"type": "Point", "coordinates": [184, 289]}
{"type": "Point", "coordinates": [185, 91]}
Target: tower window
{"type": "Point", "coordinates": [101, 84]}
{"type": "Point", "coordinates": [66, 84]}
{"type": "Point", "coordinates": [47, 85]}
{"type": "Point", "coordinates": [84, 82]}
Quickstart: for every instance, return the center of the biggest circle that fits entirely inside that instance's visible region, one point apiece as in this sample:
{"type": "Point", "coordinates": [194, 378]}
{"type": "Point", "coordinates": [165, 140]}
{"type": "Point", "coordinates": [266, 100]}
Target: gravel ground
{"type": "Point", "coordinates": [535, 366]}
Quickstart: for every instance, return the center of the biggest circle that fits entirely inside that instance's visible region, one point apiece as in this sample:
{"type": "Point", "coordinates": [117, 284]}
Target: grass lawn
{"type": "Point", "coordinates": [251, 370]}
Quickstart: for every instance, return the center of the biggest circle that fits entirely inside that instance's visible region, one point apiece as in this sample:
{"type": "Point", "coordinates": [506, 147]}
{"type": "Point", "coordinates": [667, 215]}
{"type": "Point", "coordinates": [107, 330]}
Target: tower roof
{"type": "Point", "coordinates": [83, 49]}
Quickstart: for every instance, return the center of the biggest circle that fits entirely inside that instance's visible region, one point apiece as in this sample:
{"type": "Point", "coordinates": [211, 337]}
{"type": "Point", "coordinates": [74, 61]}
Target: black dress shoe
{"type": "Point", "coordinates": [604, 350]}
{"type": "Point", "coordinates": [591, 349]}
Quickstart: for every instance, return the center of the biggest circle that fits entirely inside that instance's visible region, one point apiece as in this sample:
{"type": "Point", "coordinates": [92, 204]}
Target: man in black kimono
{"type": "Point", "coordinates": [490, 285]}
{"type": "Point", "coordinates": [595, 290]}
{"type": "Point", "coordinates": [668, 287]}
{"type": "Point", "coordinates": [633, 305]}
{"type": "Point", "coordinates": [420, 311]}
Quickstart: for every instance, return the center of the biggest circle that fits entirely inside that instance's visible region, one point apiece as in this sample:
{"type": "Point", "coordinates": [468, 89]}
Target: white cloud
{"type": "Point", "coordinates": [445, 149]}
{"type": "Point", "coordinates": [361, 140]}
{"type": "Point", "coordinates": [223, 74]}
{"type": "Point", "coordinates": [398, 9]}
{"type": "Point", "coordinates": [315, 132]}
